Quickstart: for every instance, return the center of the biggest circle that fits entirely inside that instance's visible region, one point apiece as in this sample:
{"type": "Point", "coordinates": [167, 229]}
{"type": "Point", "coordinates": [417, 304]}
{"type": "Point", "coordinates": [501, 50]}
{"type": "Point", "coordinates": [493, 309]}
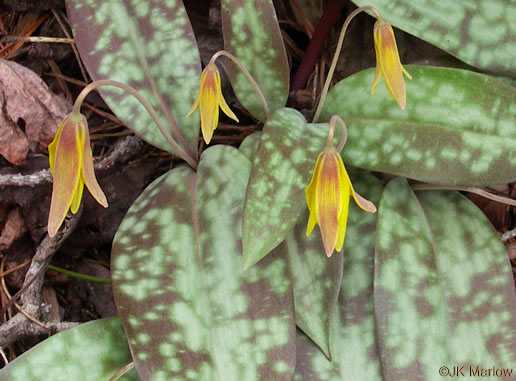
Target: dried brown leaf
{"type": "Point", "coordinates": [25, 98]}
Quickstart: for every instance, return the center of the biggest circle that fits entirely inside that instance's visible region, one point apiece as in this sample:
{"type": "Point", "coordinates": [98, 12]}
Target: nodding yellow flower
{"type": "Point", "coordinates": [328, 196]}
{"type": "Point", "coordinates": [388, 62]}
{"type": "Point", "coordinates": [71, 163]}
{"type": "Point", "coordinates": [209, 99]}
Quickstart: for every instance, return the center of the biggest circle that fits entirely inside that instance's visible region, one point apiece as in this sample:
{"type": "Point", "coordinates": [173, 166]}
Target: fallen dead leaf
{"type": "Point", "coordinates": [26, 99]}
{"type": "Point", "coordinates": [14, 228]}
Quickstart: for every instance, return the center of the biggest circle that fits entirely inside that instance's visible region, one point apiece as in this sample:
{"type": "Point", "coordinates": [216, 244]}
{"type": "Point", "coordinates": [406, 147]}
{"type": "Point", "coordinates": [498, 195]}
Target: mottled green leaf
{"type": "Point", "coordinates": [443, 289]}
{"type": "Point", "coordinates": [90, 352]}
{"type": "Point", "coordinates": [352, 338]}
{"type": "Point", "coordinates": [252, 34]}
{"type": "Point", "coordinates": [316, 280]}
{"type": "Point", "coordinates": [458, 127]}
{"type": "Point", "coordinates": [188, 309]}
{"type": "Point", "coordinates": [282, 167]}
{"type": "Point", "coordinates": [479, 32]}
{"type": "Point", "coordinates": [150, 46]}
{"type": "Point", "coordinates": [250, 144]}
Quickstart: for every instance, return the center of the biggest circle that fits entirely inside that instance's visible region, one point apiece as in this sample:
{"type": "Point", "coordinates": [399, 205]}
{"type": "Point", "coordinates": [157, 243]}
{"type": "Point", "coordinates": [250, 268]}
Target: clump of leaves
{"type": "Point", "coordinates": [213, 273]}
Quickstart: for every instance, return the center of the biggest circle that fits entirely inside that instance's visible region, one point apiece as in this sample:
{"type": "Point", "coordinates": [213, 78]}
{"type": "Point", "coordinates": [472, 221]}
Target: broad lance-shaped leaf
{"type": "Point", "coordinates": [252, 34]}
{"type": "Point", "coordinates": [282, 167]}
{"type": "Point", "coordinates": [150, 46]}
{"type": "Point", "coordinates": [480, 33]}
{"type": "Point", "coordinates": [189, 310]}
{"type": "Point", "coordinates": [352, 332]}
{"type": "Point", "coordinates": [457, 128]}
{"type": "Point", "coordinates": [443, 289]}
{"type": "Point", "coordinates": [250, 144]}
{"type": "Point", "coordinates": [316, 281]}
{"type": "Point", "coordinates": [92, 351]}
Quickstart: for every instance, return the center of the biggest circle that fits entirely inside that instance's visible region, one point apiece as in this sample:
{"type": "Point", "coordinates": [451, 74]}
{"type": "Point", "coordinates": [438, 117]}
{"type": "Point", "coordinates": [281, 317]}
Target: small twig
{"type": "Point", "coordinates": [4, 357]}
{"type": "Point", "coordinates": [122, 371]}
{"type": "Point", "coordinates": [123, 150]}
{"type": "Point", "coordinates": [16, 268]}
{"type": "Point", "coordinates": [508, 235]}
{"type": "Point", "coordinates": [479, 191]}
{"type": "Point", "coordinates": [20, 326]}
{"type": "Point", "coordinates": [55, 40]}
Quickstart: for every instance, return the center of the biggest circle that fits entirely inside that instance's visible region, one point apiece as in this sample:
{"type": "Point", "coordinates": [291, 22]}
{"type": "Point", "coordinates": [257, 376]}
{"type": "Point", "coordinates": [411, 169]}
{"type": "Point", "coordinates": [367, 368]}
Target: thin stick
{"type": "Point", "coordinates": [122, 371]}
{"type": "Point", "coordinates": [247, 74]}
{"type": "Point", "coordinates": [337, 54]}
{"type": "Point", "coordinates": [107, 82]}
{"type": "Point", "coordinates": [18, 307]}
{"type": "Point", "coordinates": [54, 40]}
{"type": "Point", "coordinates": [479, 191]}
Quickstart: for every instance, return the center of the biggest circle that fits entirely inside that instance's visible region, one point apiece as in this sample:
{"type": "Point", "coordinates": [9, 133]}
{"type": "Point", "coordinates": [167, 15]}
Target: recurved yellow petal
{"type": "Point", "coordinates": [88, 173]}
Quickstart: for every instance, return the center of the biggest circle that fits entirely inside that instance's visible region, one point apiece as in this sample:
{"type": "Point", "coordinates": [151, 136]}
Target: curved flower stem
{"type": "Point", "coordinates": [247, 74]}
{"type": "Point", "coordinates": [479, 191]}
{"type": "Point", "coordinates": [337, 54]}
{"type": "Point", "coordinates": [108, 82]}
{"type": "Point", "coordinates": [331, 132]}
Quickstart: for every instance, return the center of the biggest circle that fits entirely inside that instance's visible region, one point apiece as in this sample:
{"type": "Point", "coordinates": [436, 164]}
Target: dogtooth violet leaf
{"type": "Point", "coordinates": [92, 351]}
{"type": "Point", "coordinates": [251, 33]}
{"type": "Point", "coordinates": [352, 331]}
{"type": "Point", "coordinates": [150, 46]}
{"type": "Point", "coordinates": [189, 310]}
{"type": "Point", "coordinates": [457, 128]}
{"type": "Point", "coordinates": [480, 33]}
{"type": "Point", "coordinates": [443, 287]}
{"type": "Point", "coordinates": [315, 278]}
{"type": "Point", "coordinates": [282, 168]}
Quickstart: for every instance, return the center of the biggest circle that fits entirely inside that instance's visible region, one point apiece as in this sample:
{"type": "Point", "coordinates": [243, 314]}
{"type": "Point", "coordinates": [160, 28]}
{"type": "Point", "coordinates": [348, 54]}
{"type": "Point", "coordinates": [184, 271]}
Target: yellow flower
{"type": "Point", "coordinates": [388, 62]}
{"type": "Point", "coordinates": [209, 99]}
{"type": "Point", "coordinates": [71, 163]}
{"type": "Point", "coordinates": [328, 196]}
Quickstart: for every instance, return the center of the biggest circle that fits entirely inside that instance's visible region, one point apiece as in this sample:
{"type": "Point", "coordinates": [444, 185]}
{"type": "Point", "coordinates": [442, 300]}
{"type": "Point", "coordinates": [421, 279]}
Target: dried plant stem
{"type": "Point", "coordinates": [479, 191]}
{"type": "Point", "coordinates": [108, 82]}
{"type": "Point", "coordinates": [247, 74]}
{"type": "Point", "coordinates": [337, 54]}
{"type": "Point", "coordinates": [122, 371]}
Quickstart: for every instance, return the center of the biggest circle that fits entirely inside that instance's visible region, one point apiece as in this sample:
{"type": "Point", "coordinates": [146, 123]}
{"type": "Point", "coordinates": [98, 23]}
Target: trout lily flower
{"type": "Point", "coordinates": [388, 62]}
{"type": "Point", "coordinates": [209, 99]}
{"type": "Point", "coordinates": [327, 197]}
{"type": "Point", "coordinates": [71, 163]}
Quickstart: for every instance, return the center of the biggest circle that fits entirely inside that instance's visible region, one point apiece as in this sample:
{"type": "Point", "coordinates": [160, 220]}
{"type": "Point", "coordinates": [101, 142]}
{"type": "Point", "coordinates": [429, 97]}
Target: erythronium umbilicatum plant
{"type": "Point", "coordinates": [214, 275]}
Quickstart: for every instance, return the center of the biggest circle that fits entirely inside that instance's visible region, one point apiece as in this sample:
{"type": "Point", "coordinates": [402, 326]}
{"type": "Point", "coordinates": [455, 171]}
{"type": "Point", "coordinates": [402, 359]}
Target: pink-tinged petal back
{"type": "Point", "coordinates": [88, 173]}
{"type": "Point", "coordinates": [209, 104]}
{"type": "Point", "coordinates": [77, 197]}
{"type": "Point", "coordinates": [328, 201]}
{"type": "Point", "coordinates": [391, 64]}
{"type": "Point", "coordinates": [67, 169]}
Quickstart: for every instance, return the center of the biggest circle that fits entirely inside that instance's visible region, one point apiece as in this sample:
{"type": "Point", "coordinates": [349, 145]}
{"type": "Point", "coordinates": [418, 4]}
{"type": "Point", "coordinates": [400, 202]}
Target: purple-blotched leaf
{"type": "Point", "coordinates": [457, 128]}
{"type": "Point", "coordinates": [189, 310]}
{"type": "Point", "coordinates": [282, 167]}
{"type": "Point", "coordinates": [443, 289]}
{"type": "Point", "coordinates": [150, 46]}
{"type": "Point", "coordinates": [316, 280]}
{"type": "Point", "coordinates": [252, 34]}
{"type": "Point", "coordinates": [93, 351]}
{"type": "Point", "coordinates": [352, 331]}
